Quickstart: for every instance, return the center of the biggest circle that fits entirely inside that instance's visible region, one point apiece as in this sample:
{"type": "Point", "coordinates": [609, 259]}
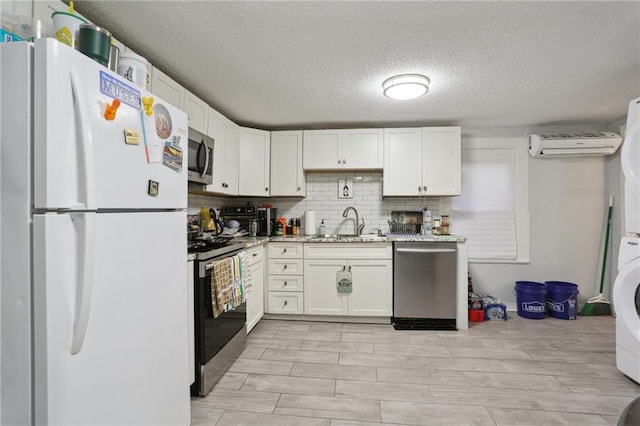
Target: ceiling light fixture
{"type": "Point", "coordinates": [405, 86]}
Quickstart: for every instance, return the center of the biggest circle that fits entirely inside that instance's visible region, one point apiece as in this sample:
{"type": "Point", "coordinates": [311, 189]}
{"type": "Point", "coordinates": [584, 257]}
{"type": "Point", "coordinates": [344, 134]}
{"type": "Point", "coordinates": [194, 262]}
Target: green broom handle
{"type": "Point", "coordinates": [606, 243]}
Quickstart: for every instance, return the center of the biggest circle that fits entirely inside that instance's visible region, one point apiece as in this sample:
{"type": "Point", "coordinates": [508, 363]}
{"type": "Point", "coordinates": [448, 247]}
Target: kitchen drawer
{"type": "Point", "coordinates": [348, 251]}
{"type": "Point", "coordinates": [285, 250]}
{"type": "Point", "coordinates": [285, 302]}
{"type": "Point", "coordinates": [285, 266]}
{"type": "Point", "coordinates": [285, 283]}
{"type": "Point", "coordinates": [255, 255]}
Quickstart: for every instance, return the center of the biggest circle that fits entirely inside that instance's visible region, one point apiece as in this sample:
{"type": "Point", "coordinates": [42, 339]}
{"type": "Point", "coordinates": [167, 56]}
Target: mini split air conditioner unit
{"type": "Point", "coordinates": [559, 145]}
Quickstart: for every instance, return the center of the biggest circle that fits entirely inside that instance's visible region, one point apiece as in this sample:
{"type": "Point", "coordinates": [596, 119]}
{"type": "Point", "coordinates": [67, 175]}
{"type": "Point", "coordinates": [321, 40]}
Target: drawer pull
{"type": "Point", "coordinates": [285, 284]}
{"type": "Point", "coordinates": [284, 250]}
{"type": "Point", "coordinates": [255, 254]}
{"type": "Point", "coordinates": [285, 303]}
{"type": "Point", "coordinates": [284, 267]}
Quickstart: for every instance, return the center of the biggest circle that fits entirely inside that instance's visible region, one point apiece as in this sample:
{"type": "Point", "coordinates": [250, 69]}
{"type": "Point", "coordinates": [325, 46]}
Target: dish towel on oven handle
{"type": "Point", "coordinates": [227, 284]}
{"type": "Point", "coordinates": [221, 285]}
{"type": "Point", "coordinates": [247, 279]}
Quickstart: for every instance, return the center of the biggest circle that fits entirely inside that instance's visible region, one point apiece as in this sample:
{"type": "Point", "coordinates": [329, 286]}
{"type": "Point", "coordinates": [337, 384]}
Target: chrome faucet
{"type": "Point", "coordinates": [358, 227]}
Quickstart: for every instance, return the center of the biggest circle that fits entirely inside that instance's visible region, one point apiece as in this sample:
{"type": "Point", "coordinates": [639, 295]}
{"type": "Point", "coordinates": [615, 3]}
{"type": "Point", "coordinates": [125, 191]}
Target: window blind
{"type": "Point", "coordinates": [486, 211]}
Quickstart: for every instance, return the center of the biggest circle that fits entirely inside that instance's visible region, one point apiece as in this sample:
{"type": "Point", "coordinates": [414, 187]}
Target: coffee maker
{"type": "Point", "coordinates": [267, 221]}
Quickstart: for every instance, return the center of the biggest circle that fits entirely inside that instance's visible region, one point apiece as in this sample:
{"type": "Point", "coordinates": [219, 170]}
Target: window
{"type": "Point", "coordinates": [493, 210]}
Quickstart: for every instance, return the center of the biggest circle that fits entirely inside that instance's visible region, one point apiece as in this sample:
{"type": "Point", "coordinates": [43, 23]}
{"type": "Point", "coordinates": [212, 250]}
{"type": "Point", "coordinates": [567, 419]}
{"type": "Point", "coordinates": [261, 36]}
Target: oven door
{"type": "Point", "coordinates": [214, 337]}
{"type": "Point", "coordinates": [200, 157]}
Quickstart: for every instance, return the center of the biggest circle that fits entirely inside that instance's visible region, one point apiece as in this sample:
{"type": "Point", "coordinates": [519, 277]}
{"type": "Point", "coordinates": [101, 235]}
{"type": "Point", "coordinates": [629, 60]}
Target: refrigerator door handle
{"type": "Point", "coordinates": [84, 143]}
{"type": "Point", "coordinates": [85, 224]}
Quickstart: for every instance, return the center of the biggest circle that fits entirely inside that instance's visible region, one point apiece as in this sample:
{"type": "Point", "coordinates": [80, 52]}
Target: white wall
{"type": "Point", "coordinates": [568, 199]}
{"type": "Point", "coordinates": [566, 204]}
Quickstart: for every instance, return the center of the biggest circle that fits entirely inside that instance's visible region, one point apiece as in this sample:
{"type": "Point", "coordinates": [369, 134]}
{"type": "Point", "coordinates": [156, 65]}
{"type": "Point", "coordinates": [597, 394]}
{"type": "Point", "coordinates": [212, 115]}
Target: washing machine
{"type": "Point", "coordinates": [626, 289]}
{"type": "Point", "coordinates": [626, 299]}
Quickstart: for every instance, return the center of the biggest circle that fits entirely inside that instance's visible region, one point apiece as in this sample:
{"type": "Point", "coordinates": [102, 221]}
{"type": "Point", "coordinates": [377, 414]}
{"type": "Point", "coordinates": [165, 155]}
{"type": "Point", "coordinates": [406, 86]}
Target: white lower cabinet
{"type": "Point", "coordinates": [255, 300]}
{"type": "Point", "coordinates": [285, 284]}
{"type": "Point", "coordinates": [285, 303]}
{"type": "Point", "coordinates": [372, 279]}
{"type": "Point", "coordinates": [321, 296]}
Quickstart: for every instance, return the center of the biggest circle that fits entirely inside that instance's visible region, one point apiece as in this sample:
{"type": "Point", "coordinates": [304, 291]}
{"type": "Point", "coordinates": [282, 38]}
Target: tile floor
{"type": "Point", "coordinates": [518, 372]}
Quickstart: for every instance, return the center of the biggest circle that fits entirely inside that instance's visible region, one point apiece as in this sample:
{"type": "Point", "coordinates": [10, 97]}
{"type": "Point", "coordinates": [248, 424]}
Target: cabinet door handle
{"type": "Point", "coordinates": [285, 284]}
{"type": "Point", "coordinates": [344, 161]}
{"type": "Point", "coordinates": [419, 188]}
{"type": "Point", "coordinates": [284, 250]}
{"type": "Point", "coordinates": [255, 254]}
{"type": "Point", "coordinates": [349, 268]}
{"type": "Point", "coordinates": [266, 189]}
{"type": "Point", "coordinates": [298, 189]}
{"type": "Point", "coordinates": [424, 188]}
{"type": "Point", "coordinates": [344, 267]}
{"type": "Point", "coordinates": [339, 161]}
{"type": "Point", "coordinates": [285, 303]}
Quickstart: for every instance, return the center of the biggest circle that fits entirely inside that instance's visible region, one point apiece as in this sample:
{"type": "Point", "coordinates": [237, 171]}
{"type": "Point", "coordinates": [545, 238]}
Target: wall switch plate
{"type": "Point", "coordinates": [345, 188]}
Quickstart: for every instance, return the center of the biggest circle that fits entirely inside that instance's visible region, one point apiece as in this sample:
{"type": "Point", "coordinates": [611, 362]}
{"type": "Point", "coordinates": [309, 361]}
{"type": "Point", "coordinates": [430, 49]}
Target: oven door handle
{"type": "Point", "coordinates": [424, 250]}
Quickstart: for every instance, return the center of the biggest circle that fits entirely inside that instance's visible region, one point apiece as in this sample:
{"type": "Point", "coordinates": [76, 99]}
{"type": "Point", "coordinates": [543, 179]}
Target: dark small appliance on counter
{"type": "Point", "coordinates": [243, 215]}
{"type": "Point", "coordinates": [267, 221]}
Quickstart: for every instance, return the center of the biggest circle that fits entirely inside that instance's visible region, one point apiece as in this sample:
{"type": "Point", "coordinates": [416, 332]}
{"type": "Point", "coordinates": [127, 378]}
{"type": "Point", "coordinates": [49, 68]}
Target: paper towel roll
{"type": "Point", "coordinates": [309, 222]}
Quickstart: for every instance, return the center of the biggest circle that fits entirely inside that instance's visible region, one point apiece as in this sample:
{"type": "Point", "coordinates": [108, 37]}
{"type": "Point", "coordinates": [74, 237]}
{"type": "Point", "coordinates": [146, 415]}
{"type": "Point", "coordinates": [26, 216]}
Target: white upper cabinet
{"type": "Point", "coordinates": [166, 88]}
{"type": "Point", "coordinates": [198, 112]}
{"type": "Point", "coordinates": [225, 153]}
{"type": "Point", "coordinates": [441, 159]}
{"type": "Point", "coordinates": [230, 159]}
{"type": "Point", "coordinates": [352, 149]}
{"type": "Point", "coordinates": [422, 161]}
{"type": "Point", "coordinates": [253, 162]}
{"type": "Point", "coordinates": [287, 176]}
{"type": "Point", "coordinates": [216, 129]}
{"type": "Point", "coordinates": [402, 161]}
{"type": "Point", "coordinates": [362, 148]}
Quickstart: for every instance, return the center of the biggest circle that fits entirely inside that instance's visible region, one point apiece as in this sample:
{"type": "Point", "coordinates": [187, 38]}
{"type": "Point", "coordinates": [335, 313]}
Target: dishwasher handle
{"type": "Point", "coordinates": [426, 250]}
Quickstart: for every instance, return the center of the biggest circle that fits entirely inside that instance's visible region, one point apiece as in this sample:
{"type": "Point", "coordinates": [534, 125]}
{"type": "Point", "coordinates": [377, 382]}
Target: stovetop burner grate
{"type": "Point", "coordinates": [202, 245]}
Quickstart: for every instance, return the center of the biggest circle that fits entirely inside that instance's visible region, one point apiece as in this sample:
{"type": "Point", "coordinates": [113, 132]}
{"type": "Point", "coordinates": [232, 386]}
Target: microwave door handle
{"type": "Point", "coordinates": [206, 157]}
{"type": "Point", "coordinates": [200, 170]}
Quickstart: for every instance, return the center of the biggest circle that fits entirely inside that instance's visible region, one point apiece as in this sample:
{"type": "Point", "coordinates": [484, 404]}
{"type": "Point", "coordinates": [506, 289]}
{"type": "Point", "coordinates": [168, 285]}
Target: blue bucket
{"type": "Point", "coordinates": [530, 297]}
{"type": "Point", "coordinates": [562, 299]}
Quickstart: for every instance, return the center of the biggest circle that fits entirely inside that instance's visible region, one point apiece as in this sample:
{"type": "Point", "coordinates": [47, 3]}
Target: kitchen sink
{"type": "Point", "coordinates": [373, 237]}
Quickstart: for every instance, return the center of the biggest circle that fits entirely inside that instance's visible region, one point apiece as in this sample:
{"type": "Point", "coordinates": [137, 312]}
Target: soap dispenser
{"type": "Point", "coordinates": [322, 229]}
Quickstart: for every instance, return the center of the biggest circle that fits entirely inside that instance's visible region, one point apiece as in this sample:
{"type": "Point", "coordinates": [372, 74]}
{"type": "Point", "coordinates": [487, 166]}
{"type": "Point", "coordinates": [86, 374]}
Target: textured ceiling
{"type": "Point", "coordinates": [320, 64]}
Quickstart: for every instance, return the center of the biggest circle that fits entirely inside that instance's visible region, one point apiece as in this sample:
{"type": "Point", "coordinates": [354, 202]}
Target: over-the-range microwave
{"type": "Point", "coordinates": [200, 157]}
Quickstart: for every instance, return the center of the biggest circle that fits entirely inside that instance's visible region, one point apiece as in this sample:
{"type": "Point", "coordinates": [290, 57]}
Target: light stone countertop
{"type": "Point", "coordinates": [365, 239]}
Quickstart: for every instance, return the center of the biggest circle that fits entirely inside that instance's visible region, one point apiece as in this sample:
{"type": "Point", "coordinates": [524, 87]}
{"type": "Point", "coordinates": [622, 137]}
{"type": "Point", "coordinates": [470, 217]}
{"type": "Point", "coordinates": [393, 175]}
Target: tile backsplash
{"type": "Point", "coordinates": [322, 197]}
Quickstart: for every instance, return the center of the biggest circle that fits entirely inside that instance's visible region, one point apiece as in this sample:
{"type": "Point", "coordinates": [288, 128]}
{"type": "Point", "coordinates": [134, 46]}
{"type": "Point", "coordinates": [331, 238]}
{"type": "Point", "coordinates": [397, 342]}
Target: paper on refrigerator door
{"type": "Point", "coordinates": [153, 145]}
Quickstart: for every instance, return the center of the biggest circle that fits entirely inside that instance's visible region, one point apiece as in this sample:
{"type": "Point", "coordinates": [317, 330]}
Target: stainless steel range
{"type": "Point", "coordinates": [218, 341]}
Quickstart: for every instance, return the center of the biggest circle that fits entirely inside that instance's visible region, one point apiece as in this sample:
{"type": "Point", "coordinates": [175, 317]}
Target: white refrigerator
{"type": "Point", "coordinates": [93, 292]}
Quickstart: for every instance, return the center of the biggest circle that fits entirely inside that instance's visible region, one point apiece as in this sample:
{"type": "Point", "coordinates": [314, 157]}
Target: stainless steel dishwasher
{"type": "Point", "coordinates": [424, 286]}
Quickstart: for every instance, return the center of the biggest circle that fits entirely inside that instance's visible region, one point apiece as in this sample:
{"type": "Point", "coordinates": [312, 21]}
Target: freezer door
{"type": "Point", "coordinates": [86, 156]}
{"type": "Point", "coordinates": [110, 319]}
{"type": "Point", "coordinates": [15, 232]}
